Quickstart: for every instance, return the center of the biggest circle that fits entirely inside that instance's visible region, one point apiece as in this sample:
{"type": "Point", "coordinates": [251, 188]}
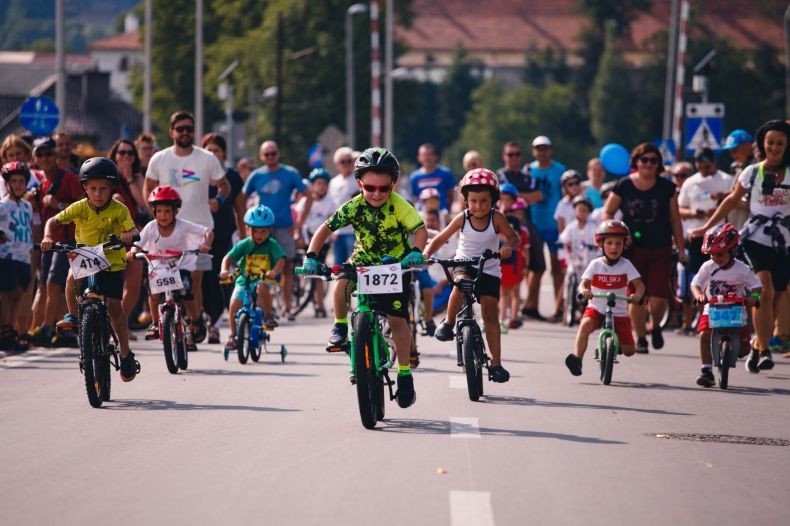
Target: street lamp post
{"type": "Point", "coordinates": [355, 9]}
{"type": "Point", "coordinates": [225, 92]}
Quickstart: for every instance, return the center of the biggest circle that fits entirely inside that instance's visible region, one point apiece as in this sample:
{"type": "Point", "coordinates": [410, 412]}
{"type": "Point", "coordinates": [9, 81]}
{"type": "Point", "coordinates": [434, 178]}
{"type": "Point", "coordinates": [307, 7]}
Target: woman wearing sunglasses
{"type": "Point", "coordinates": [649, 205]}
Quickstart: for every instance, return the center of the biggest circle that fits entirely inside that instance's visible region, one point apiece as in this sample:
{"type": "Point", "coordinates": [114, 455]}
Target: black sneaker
{"type": "Point", "coordinates": [339, 334]}
{"type": "Point", "coordinates": [498, 374]}
{"type": "Point", "coordinates": [405, 393]}
{"type": "Point", "coordinates": [532, 314]}
{"type": "Point", "coordinates": [430, 327]}
{"type": "Point", "coordinates": [766, 363]}
{"type": "Point", "coordinates": [752, 364]}
{"type": "Point", "coordinates": [656, 338]}
{"type": "Point", "coordinates": [705, 379]}
{"type": "Point", "coordinates": [129, 367]}
{"type": "Point", "coordinates": [444, 332]}
{"type": "Point", "coordinates": [641, 345]}
{"type": "Point", "coordinates": [574, 364]}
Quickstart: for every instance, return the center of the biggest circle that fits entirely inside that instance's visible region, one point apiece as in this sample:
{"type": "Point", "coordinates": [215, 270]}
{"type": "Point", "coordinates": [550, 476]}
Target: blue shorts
{"type": "Point", "coordinates": [424, 279]}
{"type": "Point", "coordinates": [16, 276]}
{"type": "Point", "coordinates": [550, 237]}
{"type": "Point", "coordinates": [241, 293]}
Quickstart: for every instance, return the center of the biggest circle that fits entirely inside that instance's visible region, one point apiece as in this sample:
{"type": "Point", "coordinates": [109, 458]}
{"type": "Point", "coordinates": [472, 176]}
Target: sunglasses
{"type": "Point", "coordinates": [185, 129]}
{"type": "Point", "coordinates": [345, 161]}
{"type": "Point", "coordinates": [270, 154]}
{"type": "Point", "coordinates": [682, 174]}
{"type": "Point", "coordinates": [648, 160]}
{"type": "Point", "coordinates": [45, 153]}
{"type": "Point", "coordinates": [129, 153]}
{"type": "Point", "coordinates": [372, 188]}
{"type": "Point", "coordinates": [572, 183]}
{"type": "Point", "coordinates": [513, 154]}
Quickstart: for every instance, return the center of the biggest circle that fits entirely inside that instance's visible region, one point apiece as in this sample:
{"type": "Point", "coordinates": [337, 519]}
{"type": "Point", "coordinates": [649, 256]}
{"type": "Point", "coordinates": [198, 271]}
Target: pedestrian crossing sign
{"type": "Point", "coordinates": [704, 126]}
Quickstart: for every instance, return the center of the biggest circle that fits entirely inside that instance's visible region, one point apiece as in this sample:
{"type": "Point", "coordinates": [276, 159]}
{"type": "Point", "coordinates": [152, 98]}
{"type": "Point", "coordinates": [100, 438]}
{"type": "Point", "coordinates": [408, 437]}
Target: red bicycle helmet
{"type": "Point", "coordinates": [611, 228]}
{"type": "Point", "coordinates": [16, 167]}
{"type": "Point", "coordinates": [164, 195]}
{"type": "Point", "coordinates": [480, 178]}
{"type": "Point", "coordinates": [722, 238]}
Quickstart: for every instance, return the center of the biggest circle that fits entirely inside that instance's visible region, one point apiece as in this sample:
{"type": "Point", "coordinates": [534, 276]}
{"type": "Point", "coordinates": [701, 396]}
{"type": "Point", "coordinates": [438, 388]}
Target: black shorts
{"type": "Point", "coordinates": [15, 275]}
{"type": "Point", "coordinates": [108, 283]}
{"type": "Point", "coordinates": [487, 285]}
{"type": "Point", "coordinates": [396, 304]}
{"type": "Point", "coordinates": [54, 268]}
{"type": "Point", "coordinates": [764, 257]}
{"type": "Point", "coordinates": [537, 259]}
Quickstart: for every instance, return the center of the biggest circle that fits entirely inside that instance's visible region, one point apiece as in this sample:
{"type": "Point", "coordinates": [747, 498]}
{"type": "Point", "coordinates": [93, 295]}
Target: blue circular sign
{"type": "Point", "coordinates": [39, 115]}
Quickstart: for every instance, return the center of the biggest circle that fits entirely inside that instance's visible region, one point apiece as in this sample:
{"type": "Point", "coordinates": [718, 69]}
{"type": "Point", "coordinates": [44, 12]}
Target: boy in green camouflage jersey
{"type": "Point", "coordinates": [383, 222]}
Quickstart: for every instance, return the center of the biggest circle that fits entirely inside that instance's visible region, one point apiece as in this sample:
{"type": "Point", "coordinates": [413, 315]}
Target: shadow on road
{"type": "Point", "coordinates": [169, 405]}
{"type": "Point", "coordinates": [759, 391]}
{"type": "Point", "coordinates": [224, 372]}
{"type": "Point", "coordinates": [517, 400]}
{"type": "Point", "coordinates": [441, 427]}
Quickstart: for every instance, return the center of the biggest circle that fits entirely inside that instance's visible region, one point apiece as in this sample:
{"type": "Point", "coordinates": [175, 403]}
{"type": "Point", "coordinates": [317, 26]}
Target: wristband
{"type": "Point", "coordinates": [415, 249]}
{"type": "Point", "coordinates": [755, 295]}
{"type": "Point", "coordinates": [220, 198]}
{"type": "Point", "coordinates": [311, 255]}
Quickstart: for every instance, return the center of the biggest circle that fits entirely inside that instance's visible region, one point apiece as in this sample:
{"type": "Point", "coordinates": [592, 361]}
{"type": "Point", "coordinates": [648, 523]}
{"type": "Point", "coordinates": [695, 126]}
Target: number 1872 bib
{"type": "Point", "coordinates": [381, 279]}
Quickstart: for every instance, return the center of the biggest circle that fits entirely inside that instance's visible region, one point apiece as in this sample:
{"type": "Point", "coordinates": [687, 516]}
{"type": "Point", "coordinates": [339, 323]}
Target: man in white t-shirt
{"type": "Point", "coordinates": [343, 187]}
{"type": "Point", "coordinates": [699, 197]}
{"type": "Point", "coordinates": [190, 170]}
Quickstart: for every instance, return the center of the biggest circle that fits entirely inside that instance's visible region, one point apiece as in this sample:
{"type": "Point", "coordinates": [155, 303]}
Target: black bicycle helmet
{"type": "Point", "coordinates": [99, 168]}
{"type": "Point", "coordinates": [377, 160]}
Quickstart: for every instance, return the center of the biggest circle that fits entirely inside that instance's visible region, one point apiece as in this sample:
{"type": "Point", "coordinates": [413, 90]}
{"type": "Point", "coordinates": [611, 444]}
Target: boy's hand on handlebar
{"type": "Point", "coordinates": [127, 238]}
{"type": "Point", "coordinates": [586, 293]}
{"type": "Point", "coordinates": [272, 275]}
{"type": "Point", "coordinates": [635, 299]}
{"type": "Point", "coordinates": [310, 266]}
{"type": "Point", "coordinates": [413, 259]}
{"type": "Point", "coordinates": [46, 244]}
{"type": "Point", "coordinates": [205, 249]}
{"type": "Point", "coordinates": [505, 251]}
{"type": "Point", "coordinates": [700, 300]}
{"type": "Point", "coordinates": [223, 274]}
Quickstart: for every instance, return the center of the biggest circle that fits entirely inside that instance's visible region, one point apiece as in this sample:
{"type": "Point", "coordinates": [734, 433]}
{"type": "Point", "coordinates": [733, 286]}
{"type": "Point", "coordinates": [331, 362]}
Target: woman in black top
{"type": "Point", "coordinates": [228, 218]}
{"type": "Point", "coordinates": [649, 205]}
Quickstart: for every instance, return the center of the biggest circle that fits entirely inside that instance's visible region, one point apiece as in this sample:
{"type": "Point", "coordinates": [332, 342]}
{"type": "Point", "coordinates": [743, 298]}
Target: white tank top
{"type": "Point", "coordinates": [472, 243]}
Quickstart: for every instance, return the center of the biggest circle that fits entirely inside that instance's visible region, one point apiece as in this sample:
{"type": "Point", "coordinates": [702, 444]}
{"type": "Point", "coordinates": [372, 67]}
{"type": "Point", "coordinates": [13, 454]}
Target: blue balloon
{"type": "Point", "coordinates": [615, 159]}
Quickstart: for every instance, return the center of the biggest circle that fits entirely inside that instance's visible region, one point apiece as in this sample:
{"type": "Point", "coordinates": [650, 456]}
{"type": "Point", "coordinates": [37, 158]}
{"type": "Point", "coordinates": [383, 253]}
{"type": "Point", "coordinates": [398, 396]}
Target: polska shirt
{"type": "Point", "coordinates": [605, 278]}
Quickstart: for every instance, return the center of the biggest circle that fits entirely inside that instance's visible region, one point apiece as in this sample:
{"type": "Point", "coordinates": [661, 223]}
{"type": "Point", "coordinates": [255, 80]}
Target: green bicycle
{"type": "Point", "coordinates": [608, 342]}
{"type": "Point", "coordinates": [370, 353]}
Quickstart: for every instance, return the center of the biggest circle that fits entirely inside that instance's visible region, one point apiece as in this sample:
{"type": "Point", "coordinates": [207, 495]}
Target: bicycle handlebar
{"type": "Point", "coordinates": [330, 272]}
{"type": "Point", "coordinates": [113, 243]}
{"type": "Point", "coordinates": [479, 261]}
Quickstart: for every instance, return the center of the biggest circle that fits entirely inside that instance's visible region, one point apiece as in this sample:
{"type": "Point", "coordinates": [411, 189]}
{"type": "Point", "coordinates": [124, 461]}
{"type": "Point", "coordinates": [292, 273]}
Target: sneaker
{"type": "Point", "coordinates": [555, 318]}
{"type": "Point", "coordinates": [198, 329]}
{"type": "Point", "coordinates": [766, 362]}
{"type": "Point", "coordinates": [405, 393]}
{"type": "Point", "coordinates": [532, 314]}
{"type": "Point", "coordinates": [290, 316]}
{"type": "Point", "coordinates": [41, 336]}
{"type": "Point", "coordinates": [129, 367]}
{"type": "Point", "coordinates": [213, 334]}
{"type": "Point", "coordinates": [271, 323]}
{"type": "Point", "coordinates": [641, 345]}
{"type": "Point", "coordinates": [444, 332]}
{"type": "Point", "coordinates": [656, 338]}
{"type": "Point", "coordinates": [498, 374]}
{"type": "Point", "coordinates": [705, 379]}
{"type": "Point", "coordinates": [686, 331]}
{"type": "Point", "coordinates": [514, 323]}
{"type": "Point", "coordinates": [230, 345]}
{"type": "Point", "coordinates": [752, 364]}
{"type": "Point", "coordinates": [503, 328]}
{"type": "Point", "coordinates": [339, 335]}
{"type": "Point", "coordinates": [430, 328]}
{"type": "Point", "coordinates": [776, 344]}
{"type": "Point", "coordinates": [153, 332]}
{"type": "Point", "coordinates": [574, 364]}
{"type": "Point", "coordinates": [68, 323]}
{"type": "Point", "coordinates": [320, 312]}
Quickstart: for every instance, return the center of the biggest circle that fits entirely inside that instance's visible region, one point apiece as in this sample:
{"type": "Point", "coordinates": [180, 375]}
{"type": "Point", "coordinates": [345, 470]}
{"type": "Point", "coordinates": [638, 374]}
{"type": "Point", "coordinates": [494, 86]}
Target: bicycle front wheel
{"type": "Point", "coordinates": [169, 340]}
{"type": "Point", "coordinates": [243, 338]}
{"type": "Point", "coordinates": [607, 361]}
{"type": "Point", "coordinates": [365, 371]}
{"type": "Point", "coordinates": [89, 342]}
{"type": "Point", "coordinates": [103, 377]}
{"type": "Point", "coordinates": [473, 362]}
{"type": "Point", "coordinates": [725, 359]}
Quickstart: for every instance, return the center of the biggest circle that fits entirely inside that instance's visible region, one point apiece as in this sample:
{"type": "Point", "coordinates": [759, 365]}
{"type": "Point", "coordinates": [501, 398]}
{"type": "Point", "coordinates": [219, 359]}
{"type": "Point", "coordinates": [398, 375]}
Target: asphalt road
{"type": "Point", "coordinates": [281, 443]}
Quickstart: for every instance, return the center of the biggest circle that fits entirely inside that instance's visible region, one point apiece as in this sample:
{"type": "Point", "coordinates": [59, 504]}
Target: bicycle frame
{"type": "Point", "coordinates": [607, 331]}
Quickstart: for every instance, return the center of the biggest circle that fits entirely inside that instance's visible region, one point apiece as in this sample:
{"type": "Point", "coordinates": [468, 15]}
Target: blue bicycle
{"type": "Point", "coordinates": [251, 332]}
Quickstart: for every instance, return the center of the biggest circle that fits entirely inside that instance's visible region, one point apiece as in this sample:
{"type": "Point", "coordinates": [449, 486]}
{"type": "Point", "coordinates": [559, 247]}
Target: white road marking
{"type": "Point", "coordinates": [471, 508]}
{"type": "Point", "coordinates": [461, 427]}
{"type": "Point", "coordinates": [32, 356]}
{"type": "Point", "coordinates": [457, 381]}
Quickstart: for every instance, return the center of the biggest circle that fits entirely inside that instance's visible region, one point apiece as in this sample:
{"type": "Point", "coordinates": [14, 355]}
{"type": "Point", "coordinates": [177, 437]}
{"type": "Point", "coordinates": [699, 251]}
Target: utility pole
{"type": "Point", "coordinates": [388, 115]}
{"type": "Point", "coordinates": [375, 76]}
{"type": "Point", "coordinates": [278, 101]}
{"type": "Point", "coordinates": [225, 92]}
{"type": "Point", "coordinates": [787, 62]}
{"type": "Point", "coordinates": [198, 69]}
{"type": "Point", "coordinates": [149, 29]}
{"type": "Point", "coordinates": [351, 124]}
{"type": "Point", "coordinates": [60, 59]}
{"type": "Point", "coordinates": [674, 22]}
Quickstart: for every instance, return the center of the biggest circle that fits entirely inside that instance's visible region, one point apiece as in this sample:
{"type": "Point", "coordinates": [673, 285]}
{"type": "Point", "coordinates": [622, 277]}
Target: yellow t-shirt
{"type": "Point", "coordinates": [94, 228]}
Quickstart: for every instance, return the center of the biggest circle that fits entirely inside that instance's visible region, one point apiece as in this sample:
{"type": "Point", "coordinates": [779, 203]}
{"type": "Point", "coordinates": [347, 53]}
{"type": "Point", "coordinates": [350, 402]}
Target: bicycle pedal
{"type": "Point", "coordinates": [353, 379]}
{"type": "Point", "coordinates": [337, 348]}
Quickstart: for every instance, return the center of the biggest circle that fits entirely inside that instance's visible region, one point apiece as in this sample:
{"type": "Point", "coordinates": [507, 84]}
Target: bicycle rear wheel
{"type": "Point", "coordinates": [724, 363]}
{"type": "Point", "coordinates": [473, 362]}
{"type": "Point", "coordinates": [243, 338]}
{"type": "Point", "coordinates": [169, 340]}
{"type": "Point", "coordinates": [369, 386]}
{"type": "Point", "coordinates": [607, 362]}
{"type": "Point", "coordinates": [89, 342]}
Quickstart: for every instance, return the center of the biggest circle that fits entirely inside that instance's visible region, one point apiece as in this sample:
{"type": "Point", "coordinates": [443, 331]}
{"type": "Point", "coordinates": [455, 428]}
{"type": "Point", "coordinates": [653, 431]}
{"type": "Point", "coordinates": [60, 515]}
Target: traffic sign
{"type": "Point", "coordinates": [315, 156]}
{"type": "Point", "coordinates": [39, 115]}
{"type": "Point", "coordinates": [704, 126]}
{"type": "Point", "coordinates": [667, 149]}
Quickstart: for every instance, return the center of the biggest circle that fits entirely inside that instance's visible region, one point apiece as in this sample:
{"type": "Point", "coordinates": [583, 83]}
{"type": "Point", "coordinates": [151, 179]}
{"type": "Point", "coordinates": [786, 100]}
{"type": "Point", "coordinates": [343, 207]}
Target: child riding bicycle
{"type": "Point", "coordinates": [168, 232]}
{"type": "Point", "coordinates": [383, 222]}
{"type": "Point", "coordinates": [480, 227]}
{"type": "Point", "coordinates": [98, 217]}
{"type": "Point", "coordinates": [608, 273]}
{"type": "Point", "coordinates": [258, 255]}
{"type": "Point", "coordinates": [721, 275]}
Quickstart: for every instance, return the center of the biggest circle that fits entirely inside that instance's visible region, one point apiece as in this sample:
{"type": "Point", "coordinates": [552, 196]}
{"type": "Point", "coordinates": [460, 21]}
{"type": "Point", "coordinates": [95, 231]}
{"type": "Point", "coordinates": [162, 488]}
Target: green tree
{"type": "Point", "coordinates": [455, 96]}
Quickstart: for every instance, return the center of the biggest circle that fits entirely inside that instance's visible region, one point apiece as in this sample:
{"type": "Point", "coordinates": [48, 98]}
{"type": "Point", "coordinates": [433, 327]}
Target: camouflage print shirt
{"type": "Point", "coordinates": [381, 231]}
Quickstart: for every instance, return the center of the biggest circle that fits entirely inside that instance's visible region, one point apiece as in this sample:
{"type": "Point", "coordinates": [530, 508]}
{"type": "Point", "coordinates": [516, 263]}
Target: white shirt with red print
{"type": "Point", "coordinates": [605, 278]}
{"type": "Point", "coordinates": [717, 281]}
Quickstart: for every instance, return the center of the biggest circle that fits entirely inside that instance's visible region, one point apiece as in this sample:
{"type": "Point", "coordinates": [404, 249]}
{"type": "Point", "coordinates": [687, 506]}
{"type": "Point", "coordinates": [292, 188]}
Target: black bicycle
{"type": "Point", "coordinates": [97, 339]}
{"type": "Point", "coordinates": [471, 349]}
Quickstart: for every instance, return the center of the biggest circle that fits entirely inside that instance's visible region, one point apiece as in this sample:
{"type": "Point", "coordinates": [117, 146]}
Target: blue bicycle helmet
{"type": "Point", "coordinates": [509, 188]}
{"type": "Point", "coordinates": [259, 217]}
{"type": "Point", "coordinates": [319, 173]}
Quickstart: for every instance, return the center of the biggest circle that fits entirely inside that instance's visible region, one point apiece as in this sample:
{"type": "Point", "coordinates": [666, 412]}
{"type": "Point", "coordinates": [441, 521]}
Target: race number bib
{"type": "Point", "coordinates": [87, 261]}
{"type": "Point", "coordinates": [164, 278]}
{"type": "Point", "coordinates": [726, 317]}
{"type": "Point", "coordinates": [381, 279]}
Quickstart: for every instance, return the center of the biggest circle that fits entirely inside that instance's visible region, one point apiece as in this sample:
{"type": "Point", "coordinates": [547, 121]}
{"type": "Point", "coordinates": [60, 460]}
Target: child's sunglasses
{"type": "Point", "coordinates": [372, 188]}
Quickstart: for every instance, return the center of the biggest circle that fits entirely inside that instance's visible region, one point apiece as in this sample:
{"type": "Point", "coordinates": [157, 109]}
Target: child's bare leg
{"type": "Point", "coordinates": [340, 298]}
{"type": "Point", "coordinates": [265, 299]}
{"type": "Point", "coordinates": [491, 321]}
{"type": "Point", "coordinates": [234, 307]}
{"type": "Point", "coordinates": [153, 304]}
{"type": "Point", "coordinates": [118, 320]}
{"type": "Point", "coordinates": [71, 297]}
{"type": "Point", "coordinates": [402, 338]}
{"type": "Point", "coordinates": [704, 347]}
{"type": "Point", "coordinates": [586, 327]}
{"type": "Point", "coordinates": [453, 306]}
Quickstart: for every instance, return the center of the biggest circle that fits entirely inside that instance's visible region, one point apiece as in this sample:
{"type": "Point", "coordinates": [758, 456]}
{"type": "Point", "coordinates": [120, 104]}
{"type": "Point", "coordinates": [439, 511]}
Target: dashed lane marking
{"type": "Point", "coordinates": [471, 508]}
{"type": "Point", "coordinates": [461, 427]}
